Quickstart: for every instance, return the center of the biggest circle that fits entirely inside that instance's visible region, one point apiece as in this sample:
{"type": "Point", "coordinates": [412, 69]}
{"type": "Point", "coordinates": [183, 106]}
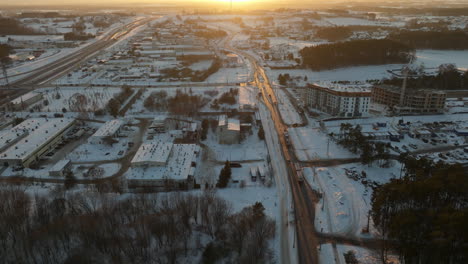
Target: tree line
{"type": "Point", "coordinates": [371, 151]}
{"type": "Point", "coordinates": [334, 33]}
{"type": "Point", "coordinates": [443, 39]}
{"type": "Point", "coordinates": [72, 36]}
{"type": "Point", "coordinates": [448, 77]}
{"type": "Point", "coordinates": [90, 227]}
{"type": "Point", "coordinates": [424, 215]}
{"type": "Point", "coordinates": [356, 52]}
{"type": "Point", "coordinates": [11, 26]}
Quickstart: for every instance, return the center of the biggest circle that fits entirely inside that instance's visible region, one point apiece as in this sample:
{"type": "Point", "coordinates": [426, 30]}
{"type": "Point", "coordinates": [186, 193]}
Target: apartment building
{"type": "Point", "coordinates": [419, 101]}
{"type": "Point", "coordinates": [338, 100]}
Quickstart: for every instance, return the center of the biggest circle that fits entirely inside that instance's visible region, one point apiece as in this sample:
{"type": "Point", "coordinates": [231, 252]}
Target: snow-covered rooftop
{"type": "Point", "coordinates": [60, 166]}
{"type": "Point", "coordinates": [178, 166]}
{"type": "Point", "coordinates": [233, 124]}
{"type": "Point", "coordinates": [109, 128]}
{"type": "Point", "coordinates": [44, 131]}
{"type": "Point", "coordinates": [153, 153]}
{"type": "Point", "coordinates": [24, 98]}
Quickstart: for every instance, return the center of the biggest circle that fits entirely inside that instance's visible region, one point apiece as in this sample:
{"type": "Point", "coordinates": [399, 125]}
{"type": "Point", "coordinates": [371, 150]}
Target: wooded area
{"type": "Point", "coordinates": [356, 52]}
{"type": "Point", "coordinates": [11, 26]}
{"type": "Point", "coordinates": [447, 78]}
{"type": "Point", "coordinates": [91, 227]}
{"type": "Point", "coordinates": [424, 215]}
{"type": "Point", "coordinates": [447, 39]}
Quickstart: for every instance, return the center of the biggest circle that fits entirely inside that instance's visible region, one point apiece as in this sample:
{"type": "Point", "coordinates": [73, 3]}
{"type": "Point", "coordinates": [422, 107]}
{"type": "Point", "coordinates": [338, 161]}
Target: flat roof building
{"type": "Point", "coordinates": [43, 136]}
{"type": "Point", "coordinates": [337, 100]}
{"type": "Point", "coordinates": [109, 129]}
{"type": "Point", "coordinates": [417, 101]}
{"type": "Point", "coordinates": [177, 172]}
{"type": "Point", "coordinates": [152, 154]}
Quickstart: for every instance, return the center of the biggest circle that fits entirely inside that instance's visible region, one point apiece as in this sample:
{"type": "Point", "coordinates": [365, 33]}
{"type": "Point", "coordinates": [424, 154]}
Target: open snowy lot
{"type": "Point", "coordinates": [312, 144]}
{"type": "Point", "coordinates": [346, 201]}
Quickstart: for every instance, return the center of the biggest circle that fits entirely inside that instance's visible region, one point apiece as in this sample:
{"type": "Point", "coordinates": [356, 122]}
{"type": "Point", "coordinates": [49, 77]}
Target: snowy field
{"type": "Point", "coordinates": [346, 201]}
{"type": "Point", "coordinates": [312, 144]}
{"type": "Point", "coordinates": [77, 99]}
{"type": "Point", "coordinates": [429, 58]}
{"type": "Point", "coordinates": [434, 58]}
{"type": "Point", "coordinates": [229, 76]}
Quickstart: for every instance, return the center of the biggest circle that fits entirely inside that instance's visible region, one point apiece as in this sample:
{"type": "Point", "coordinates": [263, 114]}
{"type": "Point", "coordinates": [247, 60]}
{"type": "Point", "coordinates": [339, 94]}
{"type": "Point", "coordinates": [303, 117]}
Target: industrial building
{"type": "Point", "coordinates": [338, 101]}
{"type": "Point", "coordinates": [152, 154]}
{"type": "Point", "coordinates": [109, 129]}
{"type": "Point", "coordinates": [43, 135]}
{"type": "Point", "coordinates": [25, 101]}
{"type": "Point", "coordinates": [228, 130]}
{"type": "Point", "coordinates": [420, 101]}
{"type": "Point", "coordinates": [164, 165]}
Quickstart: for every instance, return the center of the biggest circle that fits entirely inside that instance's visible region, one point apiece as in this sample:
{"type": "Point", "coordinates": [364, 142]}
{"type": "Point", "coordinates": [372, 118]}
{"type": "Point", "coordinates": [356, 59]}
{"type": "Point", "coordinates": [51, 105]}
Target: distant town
{"type": "Point", "coordinates": [165, 134]}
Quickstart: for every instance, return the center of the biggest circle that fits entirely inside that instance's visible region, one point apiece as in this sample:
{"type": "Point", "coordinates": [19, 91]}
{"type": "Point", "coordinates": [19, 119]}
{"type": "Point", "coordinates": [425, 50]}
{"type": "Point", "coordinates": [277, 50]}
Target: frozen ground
{"type": "Point", "coordinates": [99, 152]}
{"type": "Point", "coordinates": [434, 58]}
{"type": "Point", "coordinates": [312, 144]}
{"type": "Point", "coordinates": [229, 75]}
{"type": "Point", "coordinates": [430, 59]}
{"type": "Point", "coordinates": [250, 149]}
{"type": "Point", "coordinates": [346, 201]}
{"type": "Point", "coordinates": [77, 99]}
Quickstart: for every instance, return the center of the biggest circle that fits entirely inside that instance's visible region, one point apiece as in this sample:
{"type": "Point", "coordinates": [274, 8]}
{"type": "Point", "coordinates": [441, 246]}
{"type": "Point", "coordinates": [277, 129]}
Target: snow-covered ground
{"type": "Point", "coordinates": [346, 202]}
{"type": "Point", "coordinates": [250, 149]}
{"type": "Point", "coordinates": [229, 75]}
{"type": "Point", "coordinates": [429, 58]}
{"type": "Point", "coordinates": [312, 144]}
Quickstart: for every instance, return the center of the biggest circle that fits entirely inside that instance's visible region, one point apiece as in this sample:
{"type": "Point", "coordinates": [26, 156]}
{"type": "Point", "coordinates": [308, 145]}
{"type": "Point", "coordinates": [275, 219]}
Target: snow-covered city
{"type": "Point", "coordinates": [231, 132]}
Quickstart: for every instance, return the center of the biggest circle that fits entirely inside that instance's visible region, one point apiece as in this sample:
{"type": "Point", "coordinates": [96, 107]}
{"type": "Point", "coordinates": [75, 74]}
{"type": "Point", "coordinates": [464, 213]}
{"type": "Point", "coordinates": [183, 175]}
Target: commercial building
{"type": "Point", "coordinates": [25, 101]}
{"type": "Point", "coordinates": [338, 101]}
{"type": "Point", "coordinates": [173, 171]}
{"type": "Point", "coordinates": [420, 101]}
{"type": "Point", "coordinates": [43, 136]}
{"type": "Point", "coordinates": [228, 130]}
{"type": "Point", "coordinates": [152, 154]}
{"type": "Point", "coordinates": [109, 129]}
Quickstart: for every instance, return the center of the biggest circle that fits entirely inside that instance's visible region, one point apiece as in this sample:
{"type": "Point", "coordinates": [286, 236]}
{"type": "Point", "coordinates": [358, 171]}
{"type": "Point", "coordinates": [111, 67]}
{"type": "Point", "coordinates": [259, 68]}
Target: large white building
{"type": "Point", "coordinates": [152, 154]}
{"type": "Point", "coordinates": [39, 137]}
{"type": "Point", "coordinates": [338, 101]}
{"type": "Point", "coordinates": [164, 165]}
{"type": "Point", "coordinates": [109, 129]}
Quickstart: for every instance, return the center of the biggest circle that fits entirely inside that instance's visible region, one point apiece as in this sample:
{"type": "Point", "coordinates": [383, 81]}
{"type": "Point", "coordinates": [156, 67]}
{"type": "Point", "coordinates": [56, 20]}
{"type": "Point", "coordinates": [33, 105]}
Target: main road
{"type": "Point", "coordinates": [304, 198]}
{"type": "Point", "coordinates": [55, 69]}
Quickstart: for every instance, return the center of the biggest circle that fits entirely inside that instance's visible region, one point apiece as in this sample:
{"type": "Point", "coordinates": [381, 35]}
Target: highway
{"type": "Point", "coordinates": [53, 70]}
